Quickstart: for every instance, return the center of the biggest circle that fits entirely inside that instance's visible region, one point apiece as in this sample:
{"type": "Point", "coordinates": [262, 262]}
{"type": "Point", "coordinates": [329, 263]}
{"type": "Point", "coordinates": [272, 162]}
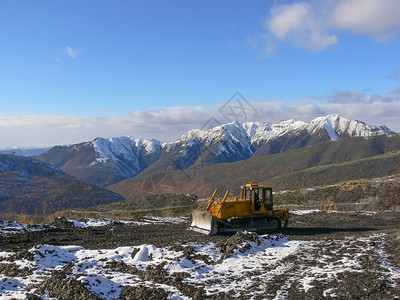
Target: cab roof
{"type": "Point", "coordinates": [255, 185]}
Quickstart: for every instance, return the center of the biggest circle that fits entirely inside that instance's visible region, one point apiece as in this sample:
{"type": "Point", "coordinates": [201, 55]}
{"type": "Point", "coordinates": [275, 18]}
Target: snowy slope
{"type": "Point", "coordinates": [125, 147]}
{"type": "Point", "coordinates": [250, 133]}
{"type": "Point", "coordinates": [336, 126]}
{"type": "Point", "coordinates": [260, 267]}
{"type": "Point", "coordinates": [228, 142]}
{"type": "Point", "coordinates": [105, 161]}
{"type": "Point", "coordinates": [238, 141]}
{"type": "Point", "coordinates": [339, 127]}
{"type": "Point", "coordinates": [128, 156]}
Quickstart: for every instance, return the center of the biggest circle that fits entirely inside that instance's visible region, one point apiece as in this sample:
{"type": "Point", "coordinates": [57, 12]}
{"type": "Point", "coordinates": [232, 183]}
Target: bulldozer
{"type": "Point", "coordinates": [252, 211]}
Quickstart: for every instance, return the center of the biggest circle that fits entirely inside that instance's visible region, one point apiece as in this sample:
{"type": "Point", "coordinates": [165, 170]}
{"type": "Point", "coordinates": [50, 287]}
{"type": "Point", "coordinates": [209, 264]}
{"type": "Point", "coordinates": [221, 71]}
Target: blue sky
{"type": "Point", "coordinates": [74, 70]}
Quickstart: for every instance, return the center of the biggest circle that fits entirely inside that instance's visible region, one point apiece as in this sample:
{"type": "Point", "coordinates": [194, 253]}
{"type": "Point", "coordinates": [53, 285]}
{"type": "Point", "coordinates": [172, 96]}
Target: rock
{"type": "Point", "coordinates": [142, 292]}
{"type": "Point", "coordinates": [62, 222]}
{"type": "Point", "coordinates": [228, 247]}
{"type": "Point", "coordinates": [59, 286]}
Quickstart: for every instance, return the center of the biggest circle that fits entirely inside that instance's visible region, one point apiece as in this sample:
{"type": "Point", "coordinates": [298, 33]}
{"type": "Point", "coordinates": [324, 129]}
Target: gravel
{"type": "Point", "coordinates": [374, 238]}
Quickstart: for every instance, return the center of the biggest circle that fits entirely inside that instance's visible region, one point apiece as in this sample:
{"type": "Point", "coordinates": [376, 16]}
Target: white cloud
{"type": "Point", "coordinates": [55, 129]}
{"type": "Point", "coordinates": [339, 96]}
{"type": "Point", "coordinates": [300, 24]}
{"type": "Point", "coordinates": [71, 52]}
{"type": "Point", "coordinates": [167, 125]}
{"type": "Point", "coordinates": [314, 25]}
{"type": "Point", "coordinates": [376, 18]}
{"type": "Point", "coordinates": [310, 109]}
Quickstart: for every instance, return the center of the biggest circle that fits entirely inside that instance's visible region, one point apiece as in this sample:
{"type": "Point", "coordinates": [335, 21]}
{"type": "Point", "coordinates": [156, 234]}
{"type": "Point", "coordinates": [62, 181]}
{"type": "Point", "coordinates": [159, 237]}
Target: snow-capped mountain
{"type": "Point", "coordinates": [338, 127]}
{"type": "Point", "coordinates": [227, 143]}
{"type": "Point", "coordinates": [137, 151]}
{"type": "Point", "coordinates": [237, 141]}
{"type": "Point", "coordinates": [106, 161]}
{"type": "Point", "coordinates": [334, 125]}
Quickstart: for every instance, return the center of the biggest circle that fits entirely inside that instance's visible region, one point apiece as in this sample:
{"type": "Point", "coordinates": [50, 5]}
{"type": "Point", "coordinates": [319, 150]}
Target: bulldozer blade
{"type": "Point", "coordinates": [203, 222]}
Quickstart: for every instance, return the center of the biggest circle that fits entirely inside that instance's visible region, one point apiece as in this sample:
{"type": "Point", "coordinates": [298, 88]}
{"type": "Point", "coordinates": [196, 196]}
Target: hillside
{"type": "Point", "coordinates": [321, 164]}
{"type": "Point", "coordinates": [28, 186]}
{"type": "Point", "coordinates": [377, 194]}
{"type": "Point", "coordinates": [107, 161]}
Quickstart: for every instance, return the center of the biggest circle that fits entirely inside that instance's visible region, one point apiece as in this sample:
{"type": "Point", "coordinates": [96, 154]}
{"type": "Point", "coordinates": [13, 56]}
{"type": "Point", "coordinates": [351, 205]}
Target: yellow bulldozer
{"type": "Point", "coordinates": [252, 211]}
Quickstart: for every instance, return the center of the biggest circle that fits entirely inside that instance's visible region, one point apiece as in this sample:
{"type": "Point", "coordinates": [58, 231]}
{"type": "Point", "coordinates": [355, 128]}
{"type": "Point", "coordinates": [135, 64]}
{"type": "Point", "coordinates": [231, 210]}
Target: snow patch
{"type": "Point", "coordinates": [124, 147]}
{"type": "Point", "coordinates": [300, 212]}
{"type": "Point", "coordinates": [15, 227]}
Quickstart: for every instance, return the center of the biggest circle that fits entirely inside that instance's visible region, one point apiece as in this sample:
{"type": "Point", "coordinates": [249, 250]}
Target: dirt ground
{"type": "Point", "coordinates": [333, 233]}
{"type": "Point", "coordinates": [313, 226]}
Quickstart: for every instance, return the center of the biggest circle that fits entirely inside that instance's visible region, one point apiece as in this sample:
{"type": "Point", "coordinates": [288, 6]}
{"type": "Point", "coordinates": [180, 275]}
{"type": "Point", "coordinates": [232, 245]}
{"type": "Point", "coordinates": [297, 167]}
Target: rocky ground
{"type": "Point", "coordinates": [378, 194]}
{"type": "Point", "coordinates": [340, 255]}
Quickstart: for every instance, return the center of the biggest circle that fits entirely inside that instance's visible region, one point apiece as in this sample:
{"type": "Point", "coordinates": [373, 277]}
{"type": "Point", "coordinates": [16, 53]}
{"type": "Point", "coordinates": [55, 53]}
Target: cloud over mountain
{"type": "Point", "coordinates": [167, 124]}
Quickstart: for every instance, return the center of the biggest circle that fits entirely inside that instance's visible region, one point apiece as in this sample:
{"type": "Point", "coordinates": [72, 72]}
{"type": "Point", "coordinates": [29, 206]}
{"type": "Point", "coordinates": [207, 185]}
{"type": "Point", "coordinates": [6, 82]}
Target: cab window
{"type": "Point", "coordinates": [267, 196]}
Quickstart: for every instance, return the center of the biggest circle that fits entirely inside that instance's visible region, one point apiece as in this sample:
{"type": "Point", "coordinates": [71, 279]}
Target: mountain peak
{"type": "Point", "coordinates": [333, 116]}
{"type": "Point", "coordinates": [124, 146]}
{"type": "Point", "coordinates": [341, 127]}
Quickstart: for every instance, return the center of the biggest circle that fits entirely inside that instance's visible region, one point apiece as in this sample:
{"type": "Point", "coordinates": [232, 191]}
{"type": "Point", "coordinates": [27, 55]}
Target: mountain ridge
{"type": "Point", "coordinates": [107, 161]}
{"type": "Point", "coordinates": [324, 163]}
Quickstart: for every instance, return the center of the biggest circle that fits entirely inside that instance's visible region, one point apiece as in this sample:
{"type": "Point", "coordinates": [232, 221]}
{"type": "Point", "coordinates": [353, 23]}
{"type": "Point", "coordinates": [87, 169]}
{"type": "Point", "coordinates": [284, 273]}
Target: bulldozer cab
{"type": "Point", "coordinates": [258, 196]}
